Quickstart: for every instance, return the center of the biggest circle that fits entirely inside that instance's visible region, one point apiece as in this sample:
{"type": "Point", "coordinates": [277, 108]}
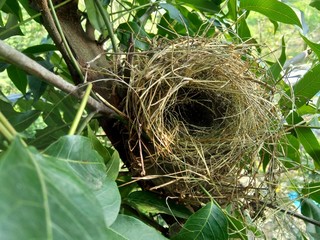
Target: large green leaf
{"type": "Point", "coordinates": [174, 13]}
{"type": "Point", "coordinates": [273, 9]}
{"type": "Point", "coordinates": [207, 223]}
{"type": "Point", "coordinates": [133, 229]}
{"type": "Point", "coordinates": [43, 198]}
{"type": "Point", "coordinates": [10, 29]}
{"type": "Point", "coordinates": [312, 190]}
{"type": "Point", "coordinates": [311, 210]}
{"type": "Point", "coordinates": [276, 68]}
{"type": "Point", "coordinates": [150, 203]}
{"type": "Point", "coordinates": [306, 137]}
{"type": "Point", "coordinates": [80, 155]}
{"type": "Point", "coordinates": [304, 89]}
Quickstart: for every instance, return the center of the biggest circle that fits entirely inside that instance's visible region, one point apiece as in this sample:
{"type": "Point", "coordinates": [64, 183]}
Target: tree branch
{"type": "Point", "coordinates": [27, 64]}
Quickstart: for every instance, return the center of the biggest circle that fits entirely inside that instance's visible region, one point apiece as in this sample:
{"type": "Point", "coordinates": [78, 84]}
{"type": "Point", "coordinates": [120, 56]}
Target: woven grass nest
{"type": "Point", "coordinates": [200, 114]}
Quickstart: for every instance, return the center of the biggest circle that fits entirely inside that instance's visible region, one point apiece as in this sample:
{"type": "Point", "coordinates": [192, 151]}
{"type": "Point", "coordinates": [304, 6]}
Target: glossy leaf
{"type": "Point", "coordinates": [207, 223]}
{"type": "Point", "coordinates": [311, 210]}
{"type": "Point", "coordinates": [306, 137]}
{"type": "Point", "coordinates": [79, 153]}
{"type": "Point", "coordinates": [42, 198]}
{"type": "Point", "coordinates": [312, 190]}
{"type": "Point", "coordinates": [150, 203]}
{"type": "Point", "coordinates": [273, 9]}
{"type": "Point", "coordinates": [133, 229]}
{"type": "Point", "coordinates": [314, 46]}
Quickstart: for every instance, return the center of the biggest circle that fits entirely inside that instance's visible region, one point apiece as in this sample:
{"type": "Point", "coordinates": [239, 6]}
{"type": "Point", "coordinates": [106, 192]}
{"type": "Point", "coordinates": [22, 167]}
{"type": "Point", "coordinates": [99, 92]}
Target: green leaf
{"type": "Point", "coordinates": [89, 166]}
{"type": "Point", "coordinates": [232, 9]}
{"type": "Point", "coordinates": [10, 29]}
{"type": "Point", "coordinates": [314, 46]}
{"type": "Point", "coordinates": [133, 229]}
{"type": "Point", "coordinates": [95, 17]}
{"type": "Point", "coordinates": [39, 49]}
{"type": "Point", "coordinates": [304, 89]}
{"type": "Point", "coordinates": [113, 166]}
{"type": "Point", "coordinates": [237, 228]}
{"type": "Point", "coordinates": [18, 77]}
{"type": "Point", "coordinates": [151, 203]}
{"type": "Point", "coordinates": [312, 190]}
{"type": "Point", "coordinates": [201, 5]}
{"type": "Point", "coordinates": [315, 4]}
{"type": "Point", "coordinates": [276, 68]}
{"type": "Point", "coordinates": [42, 198]}
{"type": "Point", "coordinates": [311, 210]}
{"type": "Point", "coordinates": [124, 31]}
{"type": "Point", "coordinates": [37, 87]}
{"type": "Point", "coordinates": [174, 13]}
{"type": "Point", "coordinates": [273, 9]}
{"type": "Point", "coordinates": [20, 121]}
{"type": "Point", "coordinates": [13, 7]}
{"type": "Point", "coordinates": [243, 30]}
{"type": "Point", "coordinates": [207, 223]}
{"type": "Point", "coordinates": [289, 151]}
{"type": "Point", "coordinates": [306, 137]}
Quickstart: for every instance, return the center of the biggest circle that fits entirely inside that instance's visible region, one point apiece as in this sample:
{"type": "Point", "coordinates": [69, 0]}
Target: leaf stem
{"type": "Point", "coordinates": [81, 110]}
{"type": "Point", "coordinates": [106, 19]}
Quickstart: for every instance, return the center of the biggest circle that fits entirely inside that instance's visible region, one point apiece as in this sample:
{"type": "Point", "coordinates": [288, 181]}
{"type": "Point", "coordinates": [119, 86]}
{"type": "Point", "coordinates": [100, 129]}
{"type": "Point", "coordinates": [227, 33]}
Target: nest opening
{"type": "Point", "coordinates": [198, 110]}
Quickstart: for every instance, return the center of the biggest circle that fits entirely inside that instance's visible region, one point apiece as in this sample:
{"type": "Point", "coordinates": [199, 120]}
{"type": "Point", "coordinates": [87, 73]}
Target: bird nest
{"type": "Point", "coordinates": [200, 113]}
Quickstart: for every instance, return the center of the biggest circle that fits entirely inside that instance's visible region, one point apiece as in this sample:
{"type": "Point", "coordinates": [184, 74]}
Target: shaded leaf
{"type": "Point", "coordinates": [18, 77]}
{"type": "Point", "coordinates": [174, 13]}
{"type": "Point", "coordinates": [113, 166]}
{"type": "Point", "coordinates": [38, 49]}
{"type": "Point", "coordinates": [311, 210]}
{"type": "Point", "coordinates": [312, 190]}
{"type": "Point", "coordinates": [10, 29]}
{"type": "Point", "coordinates": [20, 121]}
{"type": "Point", "coordinates": [80, 155]}
{"type": "Point", "coordinates": [306, 137]}
{"type": "Point", "coordinates": [44, 199]}
{"type": "Point", "coordinates": [37, 87]}
{"type": "Point", "coordinates": [151, 203]}
{"type": "Point", "coordinates": [202, 5]}
{"type": "Point", "coordinates": [95, 17]}
{"type": "Point", "coordinates": [207, 223]}
{"type": "Point", "coordinates": [273, 9]}
{"type": "Point", "coordinates": [289, 151]}
{"type": "Point", "coordinates": [133, 229]}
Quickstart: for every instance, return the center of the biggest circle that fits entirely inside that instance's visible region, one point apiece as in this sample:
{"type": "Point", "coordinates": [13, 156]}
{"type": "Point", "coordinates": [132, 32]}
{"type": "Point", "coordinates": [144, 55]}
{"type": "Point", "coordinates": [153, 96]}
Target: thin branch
{"type": "Point", "coordinates": [27, 64]}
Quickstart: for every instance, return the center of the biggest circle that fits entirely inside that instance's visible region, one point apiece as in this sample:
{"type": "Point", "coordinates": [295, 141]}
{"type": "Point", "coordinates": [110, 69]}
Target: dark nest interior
{"type": "Point", "coordinates": [200, 114]}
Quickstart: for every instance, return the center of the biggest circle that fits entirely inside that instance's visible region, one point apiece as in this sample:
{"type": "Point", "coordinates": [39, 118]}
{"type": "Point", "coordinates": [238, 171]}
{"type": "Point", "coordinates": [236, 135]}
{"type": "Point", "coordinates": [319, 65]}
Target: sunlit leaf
{"type": "Point", "coordinates": [273, 9]}
{"type": "Point", "coordinates": [207, 223]}
{"type": "Point", "coordinates": [133, 229]}
{"type": "Point", "coordinates": [315, 4]}
{"type": "Point", "coordinates": [202, 5]}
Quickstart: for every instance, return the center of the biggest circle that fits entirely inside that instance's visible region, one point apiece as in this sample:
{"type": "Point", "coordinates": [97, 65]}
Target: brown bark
{"type": "Point", "coordinates": [84, 48]}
